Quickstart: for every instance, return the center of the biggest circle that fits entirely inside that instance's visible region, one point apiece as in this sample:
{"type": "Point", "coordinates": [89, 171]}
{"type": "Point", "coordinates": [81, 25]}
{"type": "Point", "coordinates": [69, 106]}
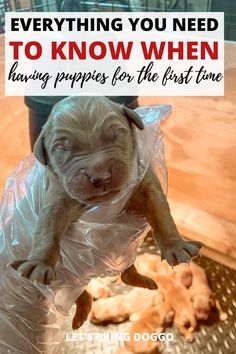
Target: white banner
{"type": "Point", "coordinates": [114, 54]}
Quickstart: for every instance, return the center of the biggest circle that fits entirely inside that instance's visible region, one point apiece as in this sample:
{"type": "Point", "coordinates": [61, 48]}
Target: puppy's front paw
{"type": "Point", "coordinates": [35, 271]}
{"type": "Point", "coordinates": [180, 251]}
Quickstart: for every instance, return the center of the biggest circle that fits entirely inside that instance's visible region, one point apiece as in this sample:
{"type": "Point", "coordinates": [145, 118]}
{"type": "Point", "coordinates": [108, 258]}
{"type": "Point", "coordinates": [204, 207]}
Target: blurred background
{"type": "Point", "coordinates": [227, 6]}
{"type": "Point", "coordinates": [199, 137]}
{"type": "Point", "coordinates": [199, 142]}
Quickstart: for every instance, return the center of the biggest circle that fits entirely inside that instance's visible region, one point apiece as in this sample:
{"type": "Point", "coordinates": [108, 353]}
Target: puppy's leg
{"type": "Point", "coordinates": [131, 277]}
{"type": "Point", "coordinates": [186, 332]}
{"type": "Point", "coordinates": [83, 307]}
{"type": "Point", "coordinates": [222, 315]}
{"type": "Point", "coordinates": [150, 201]}
{"type": "Point", "coordinates": [55, 217]}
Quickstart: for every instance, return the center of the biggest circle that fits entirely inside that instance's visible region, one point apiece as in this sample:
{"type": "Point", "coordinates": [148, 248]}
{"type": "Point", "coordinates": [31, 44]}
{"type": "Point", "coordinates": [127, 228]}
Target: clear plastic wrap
{"type": "Point", "coordinates": [102, 243]}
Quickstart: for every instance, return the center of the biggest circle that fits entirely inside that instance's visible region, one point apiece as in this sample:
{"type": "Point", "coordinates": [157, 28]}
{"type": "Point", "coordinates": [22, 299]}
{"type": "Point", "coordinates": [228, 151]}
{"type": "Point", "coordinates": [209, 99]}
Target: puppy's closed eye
{"type": "Point", "coordinates": [121, 132]}
{"type": "Point", "coordinates": [113, 133]}
{"type": "Point", "coordinates": [62, 147]}
{"type": "Point", "coordinates": [63, 144]}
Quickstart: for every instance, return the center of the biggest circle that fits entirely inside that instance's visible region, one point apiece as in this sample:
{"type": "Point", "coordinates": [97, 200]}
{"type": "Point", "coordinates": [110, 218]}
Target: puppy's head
{"type": "Point", "coordinates": [89, 144]}
{"type": "Point", "coordinates": [202, 306]}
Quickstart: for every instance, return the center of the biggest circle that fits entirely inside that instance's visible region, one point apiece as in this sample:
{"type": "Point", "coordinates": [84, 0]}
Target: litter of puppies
{"type": "Point", "coordinates": [183, 298]}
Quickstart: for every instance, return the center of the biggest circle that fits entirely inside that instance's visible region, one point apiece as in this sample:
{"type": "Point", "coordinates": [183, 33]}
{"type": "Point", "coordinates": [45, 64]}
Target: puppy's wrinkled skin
{"type": "Point", "coordinates": [88, 147]}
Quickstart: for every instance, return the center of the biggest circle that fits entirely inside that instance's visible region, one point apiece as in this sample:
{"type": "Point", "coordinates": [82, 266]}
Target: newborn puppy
{"type": "Point", "coordinates": [89, 150]}
{"type": "Point", "coordinates": [151, 265]}
{"type": "Point", "coordinates": [178, 297]}
{"type": "Point", "coordinates": [202, 296]}
{"type": "Point", "coordinates": [150, 321]}
{"type": "Point", "coordinates": [99, 288]}
{"type": "Point", "coordinates": [148, 264]}
{"type": "Point", "coordinates": [119, 308]}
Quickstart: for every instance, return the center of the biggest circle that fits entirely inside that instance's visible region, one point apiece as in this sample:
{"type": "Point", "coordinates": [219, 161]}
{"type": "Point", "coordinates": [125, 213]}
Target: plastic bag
{"type": "Point", "coordinates": [102, 243]}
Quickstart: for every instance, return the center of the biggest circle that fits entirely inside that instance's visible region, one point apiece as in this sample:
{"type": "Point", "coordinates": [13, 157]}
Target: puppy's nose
{"type": "Point", "coordinates": [100, 180]}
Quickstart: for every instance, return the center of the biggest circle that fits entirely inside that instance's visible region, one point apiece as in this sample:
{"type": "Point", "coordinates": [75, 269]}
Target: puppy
{"type": "Point", "coordinates": [177, 296]}
{"type": "Point", "coordinates": [89, 149]}
{"type": "Point", "coordinates": [183, 273]}
{"type": "Point", "coordinates": [119, 308]}
{"type": "Point", "coordinates": [151, 265]}
{"type": "Point", "coordinates": [148, 264]}
{"type": "Point", "coordinates": [152, 320]}
{"type": "Point", "coordinates": [99, 288]}
{"type": "Point", "coordinates": [202, 296]}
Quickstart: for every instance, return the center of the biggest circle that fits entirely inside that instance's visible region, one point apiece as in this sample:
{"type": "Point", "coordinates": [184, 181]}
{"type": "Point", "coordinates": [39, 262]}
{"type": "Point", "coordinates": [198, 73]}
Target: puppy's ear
{"type": "Point", "coordinates": [133, 118]}
{"type": "Point", "coordinates": [39, 150]}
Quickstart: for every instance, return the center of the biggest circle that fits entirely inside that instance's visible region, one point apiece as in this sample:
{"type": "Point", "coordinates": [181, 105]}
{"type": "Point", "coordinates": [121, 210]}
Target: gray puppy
{"type": "Point", "coordinates": [89, 149]}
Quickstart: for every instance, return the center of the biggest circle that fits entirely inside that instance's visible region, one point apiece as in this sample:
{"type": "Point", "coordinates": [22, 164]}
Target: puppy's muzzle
{"type": "Point", "coordinates": [100, 180]}
{"type": "Point", "coordinates": [96, 179]}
